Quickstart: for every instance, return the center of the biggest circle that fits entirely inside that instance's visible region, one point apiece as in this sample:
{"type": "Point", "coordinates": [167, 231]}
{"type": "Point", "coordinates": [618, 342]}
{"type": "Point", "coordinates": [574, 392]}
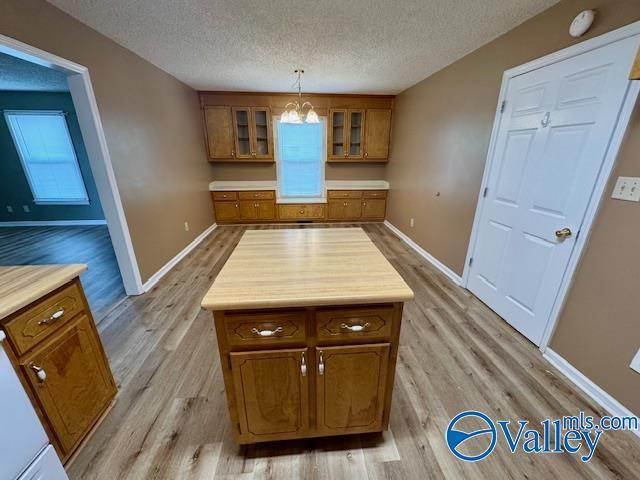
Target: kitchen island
{"type": "Point", "coordinates": [308, 324]}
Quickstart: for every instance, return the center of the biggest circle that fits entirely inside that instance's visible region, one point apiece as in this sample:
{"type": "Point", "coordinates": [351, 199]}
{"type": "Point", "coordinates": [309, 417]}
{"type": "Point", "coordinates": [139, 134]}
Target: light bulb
{"type": "Point", "coordinates": [312, 117]}
{"type": "Point", "coordinates": [294, 117]}
{"type": "Point", "coordinates": [284, 118]}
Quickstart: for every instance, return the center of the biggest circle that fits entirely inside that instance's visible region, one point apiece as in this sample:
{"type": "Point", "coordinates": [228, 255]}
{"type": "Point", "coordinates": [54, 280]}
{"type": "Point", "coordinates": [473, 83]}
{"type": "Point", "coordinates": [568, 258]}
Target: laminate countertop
{"type": "Point", "coordinates": [222, 186]}
{"type": "Point", "coordinates": [305, 267]}
{"type": "Point", "coordinates": [22, 285]}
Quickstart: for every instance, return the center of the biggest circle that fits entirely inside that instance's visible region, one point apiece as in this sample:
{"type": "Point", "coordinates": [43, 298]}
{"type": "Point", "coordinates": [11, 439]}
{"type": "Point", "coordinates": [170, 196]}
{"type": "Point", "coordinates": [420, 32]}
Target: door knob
{"type": "Point", "coordinates": [563, 233]}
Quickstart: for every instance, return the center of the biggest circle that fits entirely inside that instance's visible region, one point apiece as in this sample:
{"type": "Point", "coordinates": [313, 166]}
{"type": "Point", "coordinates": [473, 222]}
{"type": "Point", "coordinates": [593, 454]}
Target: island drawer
{"type": "Point", "coordinates": [354, 323]}
{"type": "Point", "coordinates": [374, 194]}
{"type": "Point", "coordinates": [257, 195]}
{"type": "Point", "coordinates": [44, 317]}
{"type": "Point", "coordinates": [255, 329]}
{"type": "Point", "coordinates": [218, 196]}
{"type": "Point", "coordinates": [344, 194]}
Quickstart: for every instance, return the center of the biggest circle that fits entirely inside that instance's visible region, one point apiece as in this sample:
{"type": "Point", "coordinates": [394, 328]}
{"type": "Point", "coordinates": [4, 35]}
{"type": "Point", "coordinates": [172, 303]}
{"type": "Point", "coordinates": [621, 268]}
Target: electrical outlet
{"type": "Point", "coordinates": [25, 208]}
{"type": "Point", "coordinates": [635, 363]}
{"type": "Point", "coordinates": [186, 226]}
{"type": "Point", "coordinates": [411, 223]}
{"type": "Point", "coordinates": [9, 209]}
{"type": "Point", "coordinates": [627, 188]}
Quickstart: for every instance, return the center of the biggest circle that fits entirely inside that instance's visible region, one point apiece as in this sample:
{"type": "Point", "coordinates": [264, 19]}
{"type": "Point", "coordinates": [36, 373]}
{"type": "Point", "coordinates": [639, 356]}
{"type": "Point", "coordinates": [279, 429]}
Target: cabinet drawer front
{"type": "Point", "coordinates": [225, 195]}
{"type": "Point", "coordinates": [256, 329]}
{"type": "Point", "coordinates": [45, 317]}
{"type": "Point", "coordinates": [71, 379]}
{"type": "Point", "coordinates": [374, 194]}
{"type": "Point", "coordinates": [301, 211]}
{"type": "Point", "coordinates": [354, 323]}
{"type": "Point", "coordinates": [257, 195]}
{"type": "Point", "coordinates": [344, 194]}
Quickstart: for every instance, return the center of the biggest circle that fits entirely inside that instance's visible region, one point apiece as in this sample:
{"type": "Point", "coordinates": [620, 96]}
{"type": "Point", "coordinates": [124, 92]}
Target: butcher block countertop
{"type": "Point", "coordinates": [22, 285]}
{"type": "Point", "coordinates": [305, 267]}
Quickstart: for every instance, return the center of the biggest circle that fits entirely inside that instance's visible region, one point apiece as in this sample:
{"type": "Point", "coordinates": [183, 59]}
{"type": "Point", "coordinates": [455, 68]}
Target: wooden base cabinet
{"type": "Point", "coordinates": [308, 372]}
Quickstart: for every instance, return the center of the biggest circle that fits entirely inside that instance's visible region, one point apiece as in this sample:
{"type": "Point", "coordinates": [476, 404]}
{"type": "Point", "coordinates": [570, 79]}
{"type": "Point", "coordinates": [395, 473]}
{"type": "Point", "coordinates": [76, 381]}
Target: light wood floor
{"type": "Point", "coordinates": [91, 245]}
{"type": "Point", "coordinates": [170, 420]}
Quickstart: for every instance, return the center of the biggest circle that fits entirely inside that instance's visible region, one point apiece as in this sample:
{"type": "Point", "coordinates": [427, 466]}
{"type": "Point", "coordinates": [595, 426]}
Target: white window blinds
{"type": "Point", "coordinates": [48, 157]}
{"type": "Point", "coordinates": [301, 154]}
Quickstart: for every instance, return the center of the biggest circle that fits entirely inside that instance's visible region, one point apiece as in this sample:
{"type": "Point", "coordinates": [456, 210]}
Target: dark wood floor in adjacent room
{"type": "Point", "coordinates": [75, 244]}
{"type": "Point", "coordinates": [170, 420]}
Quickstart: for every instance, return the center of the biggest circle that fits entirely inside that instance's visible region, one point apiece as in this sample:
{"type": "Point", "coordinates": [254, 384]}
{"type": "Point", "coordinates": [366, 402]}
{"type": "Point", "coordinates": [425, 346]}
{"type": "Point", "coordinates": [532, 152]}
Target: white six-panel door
{"type": "Point", "coordinates": [553, 137]}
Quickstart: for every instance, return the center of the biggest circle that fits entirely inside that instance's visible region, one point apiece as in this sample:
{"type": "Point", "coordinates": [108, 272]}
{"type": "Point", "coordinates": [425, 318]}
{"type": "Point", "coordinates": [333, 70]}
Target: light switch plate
{"type": "Point", "coordinates": [627, 188]}
{"type": "Point", "coordinates": [635, 363]}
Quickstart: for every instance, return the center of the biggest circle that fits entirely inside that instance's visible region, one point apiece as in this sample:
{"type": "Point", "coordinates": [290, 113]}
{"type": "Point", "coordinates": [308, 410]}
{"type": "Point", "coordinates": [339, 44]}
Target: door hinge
{"type": "Point", "coordinates": [577, 234]}
{"type": "Point", "coordinates": [471, 261]}
{"type": "Point", "coordinates": [484, 193]}
{"type": "Point", "coordinates": [229, 360]}
{"type": "Point", "coordinates": [503, 105]}
{"type": "Point", "coordinates": [238, 425]}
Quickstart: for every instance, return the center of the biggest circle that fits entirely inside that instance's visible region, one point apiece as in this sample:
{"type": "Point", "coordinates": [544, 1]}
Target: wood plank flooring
{"type": "Point", "coordinates": [171, 422]}
{"type": "Point", "coordinates": [76, 244]}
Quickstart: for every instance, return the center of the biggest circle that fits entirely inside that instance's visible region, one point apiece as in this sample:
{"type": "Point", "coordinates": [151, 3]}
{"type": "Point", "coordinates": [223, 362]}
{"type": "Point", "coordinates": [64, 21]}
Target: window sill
{"type": "Point", "coordinates": [301, 200]}
{"type": "Point", "coordinates": [61, 202]}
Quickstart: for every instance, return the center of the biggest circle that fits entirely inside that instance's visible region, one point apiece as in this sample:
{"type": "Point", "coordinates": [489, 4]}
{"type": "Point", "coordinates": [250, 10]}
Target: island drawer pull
{"type": "Point", "coordinates": [355, 328]}
{"type": "Point", "coordinates": [266, 332]}
{"type": "Point", "coordinates": [303, 366]}
{"type": "Point", "coordinates": [321, 364]}
{"type": "Point", "coordinates": [54, 316]}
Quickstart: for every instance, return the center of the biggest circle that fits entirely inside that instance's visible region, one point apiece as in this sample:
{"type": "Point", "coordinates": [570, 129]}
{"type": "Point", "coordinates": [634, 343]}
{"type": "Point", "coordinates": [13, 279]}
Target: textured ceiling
{"type": "Point", "coordinates": [356, 46]}
{"type": "Point", "coordinates": [17, 74]}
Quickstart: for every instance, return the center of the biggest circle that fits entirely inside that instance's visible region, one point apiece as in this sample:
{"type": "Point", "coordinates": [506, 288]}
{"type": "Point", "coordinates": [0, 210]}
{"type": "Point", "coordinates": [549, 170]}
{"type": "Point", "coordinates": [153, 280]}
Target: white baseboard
{"type": "Point", "coordinates": [155, 278]}
{"type": "Point", "coordinates": [455, 278]}
{"type": "Point", "coordinates": [597, 394]}
{"type": "Point", "coordinates": [52, 223]}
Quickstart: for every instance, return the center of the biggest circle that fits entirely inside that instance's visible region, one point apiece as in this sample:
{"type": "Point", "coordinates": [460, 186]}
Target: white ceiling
{"type": "Point", "coordinates": [20, 75]}
{"type": "Point", "coordinates": [345, 46]}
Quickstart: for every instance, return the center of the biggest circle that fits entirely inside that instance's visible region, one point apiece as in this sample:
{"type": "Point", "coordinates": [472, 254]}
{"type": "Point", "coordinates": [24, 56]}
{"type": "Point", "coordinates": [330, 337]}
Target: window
{"type": "Point", "coordinates": [301, 151]}
{"type": "Point", "coordinates": [48, 157]}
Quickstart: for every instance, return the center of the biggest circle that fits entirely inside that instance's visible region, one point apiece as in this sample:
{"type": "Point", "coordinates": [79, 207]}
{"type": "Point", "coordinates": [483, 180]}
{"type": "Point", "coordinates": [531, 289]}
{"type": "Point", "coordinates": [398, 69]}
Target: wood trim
{"type": "Point", "coordinates": [635, 69]}
{"type": "Point", "coordinates": [289, 94]}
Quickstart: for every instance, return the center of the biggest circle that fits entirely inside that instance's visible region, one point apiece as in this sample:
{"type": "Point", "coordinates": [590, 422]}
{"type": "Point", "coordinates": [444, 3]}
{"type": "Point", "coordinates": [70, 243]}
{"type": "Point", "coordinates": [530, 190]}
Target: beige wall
{"type": "Point", "coordinates": [441, 134]}
{"type": "Point", "coordinates": [152, 125]}
{"type": "Point", "coordinates": [225, 171]}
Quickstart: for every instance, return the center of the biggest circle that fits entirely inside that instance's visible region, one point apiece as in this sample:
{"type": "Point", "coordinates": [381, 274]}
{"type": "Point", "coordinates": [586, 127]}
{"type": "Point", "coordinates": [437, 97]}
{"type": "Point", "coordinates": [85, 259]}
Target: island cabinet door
{"type": "Point", "coordinates": [351, 385]}
{"type": "Point", "coordinates": [272, 393]}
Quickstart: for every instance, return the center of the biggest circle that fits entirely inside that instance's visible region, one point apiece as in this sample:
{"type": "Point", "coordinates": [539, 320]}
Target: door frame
{"type": "Point", "coordinates": [631, 95]}
{"type": "Point", "coordinates": [84, 101]}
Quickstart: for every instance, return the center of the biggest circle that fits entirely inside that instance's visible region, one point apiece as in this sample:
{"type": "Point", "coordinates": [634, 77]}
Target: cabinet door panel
{"type": "Point", "coordinates": [374, 208]}
{"type": "Point", "coordinates": [272, 392]}
{"type": "Point", "coordinates": [356, 134]}
{"type": "Point", "coordinates": [242, 131]}
{"type": "Point", "coordinates": [78, 386]}
{"type": "Point", "coordinates": [262, 141]}
{"type": "Point", "coordinates": [266, 209]}
{"type": "Point", "coordinates": [353, 209]}
{"type": "Point", "coordinates": [248, 210]}
{"type": "Point", "coordinates": [219, 128]}
{"type": "Point", "coordinates": [227, 211]}
{"type": "Point", "coordinates": [337, 134]}
{"type": "Point", "coordinates": [351, 388]}
{"type": "Point", "coordinates": [336, 209]}
{"type": "Point", "coordinates": [378, 134]}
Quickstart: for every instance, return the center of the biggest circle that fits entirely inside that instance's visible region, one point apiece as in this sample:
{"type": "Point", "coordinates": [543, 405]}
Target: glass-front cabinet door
{"type": "Point", "coordinates": [337, 134]}
{"type": "Point", "coordinates": [262, 147]}
{"type": "Point", "coordinates": [356, 134]}
{"type": "Point", "coordinates": [242, 131]}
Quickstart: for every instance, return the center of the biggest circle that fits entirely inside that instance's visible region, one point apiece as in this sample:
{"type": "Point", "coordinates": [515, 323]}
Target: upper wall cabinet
{"type": "Point", "coordinates": [239, 134]}
{"type": "Point", "coordinates": [359, 135]}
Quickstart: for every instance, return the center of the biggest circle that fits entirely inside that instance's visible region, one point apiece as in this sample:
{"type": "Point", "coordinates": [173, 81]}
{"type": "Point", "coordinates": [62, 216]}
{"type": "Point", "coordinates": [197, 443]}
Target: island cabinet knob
{"type": "Point", "coordinates": [355, 328]}
{"type": "Point", "coordinates": [303, 366]}
{"type": "Point", "coordinates": [39, 371]}
{"type": "Point", "coordinates": [266, 332]}
{"type": "Point", "coordinates": [321, 364]}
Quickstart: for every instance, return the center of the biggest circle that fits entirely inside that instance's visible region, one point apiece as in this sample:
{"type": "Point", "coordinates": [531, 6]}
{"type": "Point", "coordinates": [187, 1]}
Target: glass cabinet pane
{"type": "Point", "coordinates": [355, 134]}
{"type": "Point", "coordinates": [262, 131]}
{"type": "Point", "coordinates": [337, 137]}
{"type": "Point", "coordinates": [242, 129]}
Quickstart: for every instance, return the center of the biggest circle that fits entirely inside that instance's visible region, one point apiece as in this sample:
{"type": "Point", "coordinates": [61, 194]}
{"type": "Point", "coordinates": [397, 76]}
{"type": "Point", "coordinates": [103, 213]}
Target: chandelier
{"type": "Point", "coordinates": [294, 112]}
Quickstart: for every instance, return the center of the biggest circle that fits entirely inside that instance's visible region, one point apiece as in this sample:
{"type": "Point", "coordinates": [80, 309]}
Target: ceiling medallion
{"type": "Point", "coordinates": [294, 112]}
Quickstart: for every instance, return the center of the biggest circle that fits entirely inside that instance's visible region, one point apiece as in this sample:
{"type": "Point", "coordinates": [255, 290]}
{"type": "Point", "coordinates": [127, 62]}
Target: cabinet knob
{"type": "Point", "coordinates": [233, 153]}
{"type": "Point", "coordinates": [366, 154]}
{"type": "Point", "coordinates": [301, 212]}
{"type": "Point", "coordinates": [321, 364]}
{"type": "Point", "coordinates": [303, 366]}
{"type": "Point", "coordinates": [236, 205]}
{"type": "Point", "coordinates": [39, 371]}
{"type": "Point", "coordinates": [54, 316]}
